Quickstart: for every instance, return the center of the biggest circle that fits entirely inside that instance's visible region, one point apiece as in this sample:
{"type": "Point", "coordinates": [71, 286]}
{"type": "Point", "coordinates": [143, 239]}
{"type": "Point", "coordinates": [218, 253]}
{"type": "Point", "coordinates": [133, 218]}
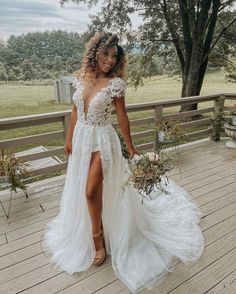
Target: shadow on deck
{"type": "Point", "coordinates": [207, 172]}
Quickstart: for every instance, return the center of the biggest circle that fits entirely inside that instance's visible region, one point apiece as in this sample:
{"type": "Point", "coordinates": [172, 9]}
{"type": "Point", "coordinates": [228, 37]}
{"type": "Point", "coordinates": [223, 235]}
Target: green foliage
{"type": "Point", "coordinates": [40, 55]}
{"type": "Point", "coordinates": [224, 53]}
{"type": "Point", "coordinates": [217, 122]}
{"type": "Point", "coordinates": [216, 125]}
{"type": "Point", "coordinates": [3, 72]}
{"type": "Point", "coordinates": [151, 64]}
{"type": "Point", "coordinates": [227, 43]}
{"type": "Point", "coordinates": [191, 28]}
{"type": "Point", "coordinates": [230, 66]}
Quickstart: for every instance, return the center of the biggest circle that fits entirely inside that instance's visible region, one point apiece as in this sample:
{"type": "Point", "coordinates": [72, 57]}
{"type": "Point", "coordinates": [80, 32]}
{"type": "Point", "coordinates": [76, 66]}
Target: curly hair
{"type": "Point", "coordinates": [97, 43]}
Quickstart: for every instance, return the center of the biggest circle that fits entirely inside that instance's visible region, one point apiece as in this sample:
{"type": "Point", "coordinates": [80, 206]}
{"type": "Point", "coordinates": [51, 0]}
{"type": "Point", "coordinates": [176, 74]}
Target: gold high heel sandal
{"type": "Point", "coordinates": [101, 253]}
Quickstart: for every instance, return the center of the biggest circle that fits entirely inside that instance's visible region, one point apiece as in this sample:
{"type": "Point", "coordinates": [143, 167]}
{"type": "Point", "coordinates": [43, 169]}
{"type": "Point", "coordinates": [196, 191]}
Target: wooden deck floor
{"type": "Point", "coordinates": [208, 172]}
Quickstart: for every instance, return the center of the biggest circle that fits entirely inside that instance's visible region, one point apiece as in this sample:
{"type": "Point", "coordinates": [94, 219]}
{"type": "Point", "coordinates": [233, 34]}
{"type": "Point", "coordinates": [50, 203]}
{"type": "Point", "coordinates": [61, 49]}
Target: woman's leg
{"type": "Point", "coordinates": [94, 195]}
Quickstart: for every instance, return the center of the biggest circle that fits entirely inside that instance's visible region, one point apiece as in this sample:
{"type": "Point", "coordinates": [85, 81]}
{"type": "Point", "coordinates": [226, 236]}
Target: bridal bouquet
{"type": "Point", "coordinates": [148, 172]}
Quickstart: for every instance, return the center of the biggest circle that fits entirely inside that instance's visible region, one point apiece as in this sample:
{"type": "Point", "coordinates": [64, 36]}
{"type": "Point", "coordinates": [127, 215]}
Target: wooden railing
{"type": "Point", "coordinates": [158, 113]}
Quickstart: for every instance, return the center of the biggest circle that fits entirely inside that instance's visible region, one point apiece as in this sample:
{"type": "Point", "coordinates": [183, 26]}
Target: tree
{"type": "Point", "coordinates": [41, 54]}
{"type": "Point", "coordinates": [27, 70]}
{"type": "Point", "coordinates": [57, 63]}
{"type": "Point", "coordinates": [188, 25]}
{"type": "Point", "coordinates": [230, 66]}
{"type": "Point", "coordinates": [224, 53]}
{"type": "Point", "coordinates": [3, 72]}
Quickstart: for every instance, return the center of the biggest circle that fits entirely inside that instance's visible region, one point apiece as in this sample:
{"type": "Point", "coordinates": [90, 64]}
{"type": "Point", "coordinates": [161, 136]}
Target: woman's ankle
{"type": "Point", "coordinates": [97, 234]}
{"type": "Point", "coordinates": [98, 240]}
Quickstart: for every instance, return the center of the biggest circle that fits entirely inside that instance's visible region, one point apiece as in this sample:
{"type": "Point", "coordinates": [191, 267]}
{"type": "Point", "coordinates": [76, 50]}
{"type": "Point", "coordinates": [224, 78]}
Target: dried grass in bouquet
{"type": "Point", "coordinates": [149, 172]}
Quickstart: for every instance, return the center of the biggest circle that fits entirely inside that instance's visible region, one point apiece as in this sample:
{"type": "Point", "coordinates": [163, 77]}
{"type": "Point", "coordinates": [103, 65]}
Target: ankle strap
{"type": "Point", "coordinates": [98, 234]}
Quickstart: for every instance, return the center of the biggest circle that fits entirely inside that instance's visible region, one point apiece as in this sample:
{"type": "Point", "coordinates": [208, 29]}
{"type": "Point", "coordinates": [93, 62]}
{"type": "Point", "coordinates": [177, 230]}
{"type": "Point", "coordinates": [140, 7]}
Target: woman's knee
{"type": "Point", "coordinates": [91, 193]}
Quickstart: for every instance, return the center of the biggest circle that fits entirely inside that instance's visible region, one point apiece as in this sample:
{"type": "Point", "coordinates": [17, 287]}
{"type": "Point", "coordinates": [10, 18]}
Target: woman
{"type": "Point", "coordinates": [98, 213]}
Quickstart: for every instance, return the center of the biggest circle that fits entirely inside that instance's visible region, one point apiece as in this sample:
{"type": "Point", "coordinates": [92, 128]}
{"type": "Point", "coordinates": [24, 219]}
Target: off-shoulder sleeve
{"type": "Point", "coordinates": [118, 88]}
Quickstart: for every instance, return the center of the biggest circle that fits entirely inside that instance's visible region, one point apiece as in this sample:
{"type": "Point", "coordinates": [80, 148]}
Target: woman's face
{"type": "Point", "coordinates": [106, 59]}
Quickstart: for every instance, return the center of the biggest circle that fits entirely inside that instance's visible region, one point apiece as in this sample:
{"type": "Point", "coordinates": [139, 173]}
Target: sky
{"type": "Point", "coordinates": [23, 16]}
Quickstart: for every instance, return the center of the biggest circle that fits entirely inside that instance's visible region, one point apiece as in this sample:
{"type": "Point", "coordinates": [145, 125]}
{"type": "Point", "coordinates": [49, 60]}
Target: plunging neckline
{"type": "Point", "coordinates": [92, 97]}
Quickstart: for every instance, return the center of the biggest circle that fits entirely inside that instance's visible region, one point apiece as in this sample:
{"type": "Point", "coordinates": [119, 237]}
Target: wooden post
{"type": "Point", "coordinates": [217, 117]}
{"type": "Point", "coordinates": [158, 117]}
{"type": "Point", "coordinates": [56, 91]}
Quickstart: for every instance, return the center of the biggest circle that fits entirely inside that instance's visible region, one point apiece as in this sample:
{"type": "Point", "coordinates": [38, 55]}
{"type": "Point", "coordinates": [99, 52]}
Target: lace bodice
{"type": "Point", "coordinates": [101, 104]}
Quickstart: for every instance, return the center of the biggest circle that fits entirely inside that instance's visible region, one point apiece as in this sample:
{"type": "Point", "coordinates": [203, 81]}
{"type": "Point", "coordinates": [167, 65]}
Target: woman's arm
{"type": "Point", "coordinates": [124, 125]}
{"type": "Point", "coordinates": [73, 120]}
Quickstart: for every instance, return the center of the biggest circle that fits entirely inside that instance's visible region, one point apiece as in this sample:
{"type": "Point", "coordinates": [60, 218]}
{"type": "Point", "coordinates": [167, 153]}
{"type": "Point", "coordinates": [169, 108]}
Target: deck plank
{"type": "Point", "coordinates": [29, 229]}
{"type": "Point", "coordinates": [209, 276]}
{"type": "Point", "coordinates": [93, 282]}
{"type": "Point", "coordinates": [3, 239]}
{"type": "Point", "coordinates": [20, 243]}
{"type": "Point", "coordinates": [207, 172]}
{"type": "Point", "coordinates": [20, 255]}
{"type": "Point", "coordinates": [226, 286]}
{"type": "Point", "coordinates": [183, 273]}
{"type": "Point", "coordinates": [8, 228]}
{"type": "Point", "coordinates": [61, 281]}
{"type": "Point", "coordinates": [54, 281]}
{"type": "Point", "coordinates": [25, 281]}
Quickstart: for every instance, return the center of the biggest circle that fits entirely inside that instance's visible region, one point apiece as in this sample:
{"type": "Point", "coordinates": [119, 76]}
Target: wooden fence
{"type": "Point", "coordinates": [157, 110]}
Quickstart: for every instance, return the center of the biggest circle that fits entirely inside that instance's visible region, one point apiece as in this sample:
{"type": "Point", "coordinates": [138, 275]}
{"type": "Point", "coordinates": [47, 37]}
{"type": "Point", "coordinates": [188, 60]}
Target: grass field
{"type": "Point", "coordinates": [18, 99]}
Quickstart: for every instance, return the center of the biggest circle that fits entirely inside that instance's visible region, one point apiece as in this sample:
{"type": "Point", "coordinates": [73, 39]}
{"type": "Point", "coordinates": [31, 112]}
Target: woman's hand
{"type": "Point", "coordinates": [68, 148]}
{"type": "Point", "coordinates": [132, 151]}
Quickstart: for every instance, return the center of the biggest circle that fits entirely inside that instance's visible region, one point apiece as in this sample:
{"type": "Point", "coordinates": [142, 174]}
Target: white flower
{"type": "Point", "coordinates": [152, 156]}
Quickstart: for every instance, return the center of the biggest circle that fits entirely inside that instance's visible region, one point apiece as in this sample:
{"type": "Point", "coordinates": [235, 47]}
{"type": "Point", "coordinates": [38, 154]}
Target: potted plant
{"type": "Point", "coordinates": [229, 124]}
{"type": "Point", "coordinates": [230, 130]}
{"type": "Point", "coordinates": [233, 114]}
{"type": "Point", "coordinates": [13, 173]}
{"type": "Point", "coordinates": [216, 124]}
{"type": "Point", "coordinates": [168, 132]}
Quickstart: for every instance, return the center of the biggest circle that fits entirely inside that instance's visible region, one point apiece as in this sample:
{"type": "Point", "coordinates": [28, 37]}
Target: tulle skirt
{"type": "Point", "coordinates": [149, 234]}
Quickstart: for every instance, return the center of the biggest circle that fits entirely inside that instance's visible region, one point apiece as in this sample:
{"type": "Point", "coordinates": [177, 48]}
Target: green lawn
{"type": "Point", "coordinates": [18, 99]}
{"type": "Point", "coordinates": [165, 88]}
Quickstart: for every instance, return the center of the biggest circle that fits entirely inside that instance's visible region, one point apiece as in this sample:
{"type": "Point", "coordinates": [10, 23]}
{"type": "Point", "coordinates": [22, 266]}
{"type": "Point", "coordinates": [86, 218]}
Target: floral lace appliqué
{"type": "Point", "coordinates": [101, 105]}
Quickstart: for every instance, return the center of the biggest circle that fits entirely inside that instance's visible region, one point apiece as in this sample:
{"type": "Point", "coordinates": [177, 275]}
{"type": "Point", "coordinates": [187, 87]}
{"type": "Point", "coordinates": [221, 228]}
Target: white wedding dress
{"type": "Point", "coordinates": [142, 239]}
